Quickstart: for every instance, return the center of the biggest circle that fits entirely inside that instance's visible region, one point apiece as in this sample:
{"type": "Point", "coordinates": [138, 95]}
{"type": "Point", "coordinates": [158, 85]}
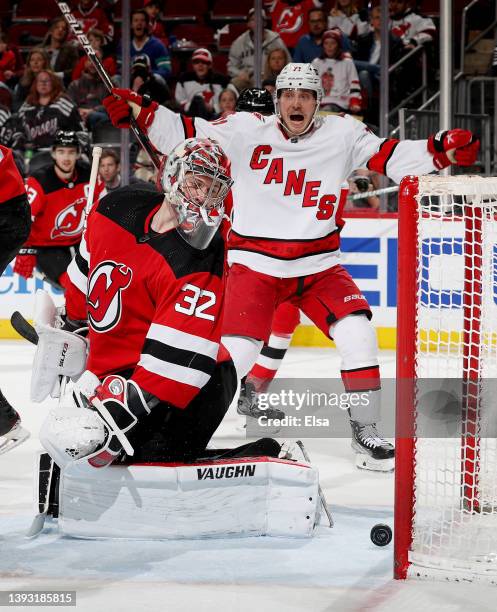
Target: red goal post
{"type": "Point", "coordinates": [446, 451]}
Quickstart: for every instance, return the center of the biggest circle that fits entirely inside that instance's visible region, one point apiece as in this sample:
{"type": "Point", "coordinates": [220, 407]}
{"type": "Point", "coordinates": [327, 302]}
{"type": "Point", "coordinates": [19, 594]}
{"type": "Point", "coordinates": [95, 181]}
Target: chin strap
{"type": "Point", "coordinates": [291, 134]}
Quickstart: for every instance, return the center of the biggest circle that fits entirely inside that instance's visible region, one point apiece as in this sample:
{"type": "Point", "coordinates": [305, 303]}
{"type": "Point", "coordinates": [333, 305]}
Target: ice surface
{"type": "Point", "coordinates": [338, 569]}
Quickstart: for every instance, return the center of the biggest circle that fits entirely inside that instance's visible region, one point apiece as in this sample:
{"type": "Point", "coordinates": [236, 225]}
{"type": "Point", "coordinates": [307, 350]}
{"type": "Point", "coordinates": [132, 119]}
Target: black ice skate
{"type": "Point", "coordinates": [373, 452]}
{"type": "Point", "coordinates": [249, 407]}
{"type": "Point", "coordinates": [11, 432]}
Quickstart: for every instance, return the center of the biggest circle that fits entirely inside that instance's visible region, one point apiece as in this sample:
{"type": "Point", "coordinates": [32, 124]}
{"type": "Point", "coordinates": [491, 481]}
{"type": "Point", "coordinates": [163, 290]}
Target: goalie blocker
{"type": "Point", "coordinates": [241, 492]}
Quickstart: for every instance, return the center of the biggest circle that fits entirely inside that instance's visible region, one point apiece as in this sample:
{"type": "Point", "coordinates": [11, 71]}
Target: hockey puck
{"type": "Point", "coordinates": [381, 535]}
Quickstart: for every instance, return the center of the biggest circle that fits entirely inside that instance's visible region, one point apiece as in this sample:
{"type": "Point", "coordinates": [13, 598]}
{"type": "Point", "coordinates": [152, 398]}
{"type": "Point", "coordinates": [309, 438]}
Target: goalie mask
{"type": "Point", "coordinates": [196, 181]}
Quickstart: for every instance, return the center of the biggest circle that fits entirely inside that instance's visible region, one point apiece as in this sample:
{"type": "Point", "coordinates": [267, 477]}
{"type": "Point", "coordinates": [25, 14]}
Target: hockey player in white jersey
{"type": "Point", "coordinates": [285, 238]}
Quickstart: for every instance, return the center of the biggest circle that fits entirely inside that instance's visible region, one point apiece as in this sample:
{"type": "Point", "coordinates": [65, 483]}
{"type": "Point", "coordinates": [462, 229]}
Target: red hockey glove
{"type": "Point", "coordinates": [123, 102]}
{"type": "Point", "coordinates": [25, 262]}
{"type": "Point", "coordinates": [459, 147]}
{"type": "Point", "coordinates": [120, 403]}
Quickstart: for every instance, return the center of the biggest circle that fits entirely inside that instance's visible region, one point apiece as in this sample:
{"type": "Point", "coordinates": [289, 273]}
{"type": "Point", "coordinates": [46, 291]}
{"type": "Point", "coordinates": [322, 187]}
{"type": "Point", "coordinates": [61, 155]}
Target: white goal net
{"type": "Point", "coordinates": [446, 522]}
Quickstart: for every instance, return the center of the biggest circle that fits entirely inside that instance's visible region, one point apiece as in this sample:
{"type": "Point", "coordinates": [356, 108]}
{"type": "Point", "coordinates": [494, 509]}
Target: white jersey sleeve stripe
{"type": "Point", "coordinates": [77, 277]}
{"type": "Point", "coordinates": [173, 371]}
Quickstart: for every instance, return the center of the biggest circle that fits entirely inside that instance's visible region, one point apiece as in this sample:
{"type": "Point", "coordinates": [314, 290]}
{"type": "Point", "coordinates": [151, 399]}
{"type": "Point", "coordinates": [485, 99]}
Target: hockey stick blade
{"type": "Point", "coordinates": [36, 526]}
{"type": "Point", "coordinates": [24, 327]}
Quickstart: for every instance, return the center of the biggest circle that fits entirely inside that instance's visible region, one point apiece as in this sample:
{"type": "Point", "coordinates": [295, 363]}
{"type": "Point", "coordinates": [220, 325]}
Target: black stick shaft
{"type": "Point", "coordinates": [102, 73]}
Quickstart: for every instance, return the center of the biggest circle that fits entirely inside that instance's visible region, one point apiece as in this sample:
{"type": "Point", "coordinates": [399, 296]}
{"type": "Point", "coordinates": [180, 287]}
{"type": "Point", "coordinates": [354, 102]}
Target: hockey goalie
{"type": "Point", "coordinates": [131, 438]}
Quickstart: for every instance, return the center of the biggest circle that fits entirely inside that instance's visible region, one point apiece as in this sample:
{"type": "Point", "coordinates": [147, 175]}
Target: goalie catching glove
{"type": "Point", "coordinates": [124, 103]}
{"type": "Point", "coordinates": [459, 147]}
{"type": "Point", "coordinates": [93, 421]}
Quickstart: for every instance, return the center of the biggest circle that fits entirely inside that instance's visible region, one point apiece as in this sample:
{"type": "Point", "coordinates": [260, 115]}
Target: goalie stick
{"type": "Point", "coordinates": [300, 444]}
{"type": "Point", "coordinates": [95, 162]}
{"type": "Point", "coordinates": [78, 32]}
{"type": "Point", "coordinates": [48, 477]}
{"type": "Point", "coordinates": [23, 327]}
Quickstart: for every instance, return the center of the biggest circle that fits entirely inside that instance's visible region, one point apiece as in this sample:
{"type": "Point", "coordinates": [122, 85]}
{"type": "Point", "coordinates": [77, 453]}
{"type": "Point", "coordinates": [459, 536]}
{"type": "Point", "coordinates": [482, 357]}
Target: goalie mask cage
{"type": "Point", "coordinates": [446, 485]}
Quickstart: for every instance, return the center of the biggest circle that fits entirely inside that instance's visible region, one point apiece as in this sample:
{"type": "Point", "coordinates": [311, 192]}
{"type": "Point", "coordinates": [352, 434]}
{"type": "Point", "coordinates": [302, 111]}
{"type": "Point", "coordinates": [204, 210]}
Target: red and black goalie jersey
{"type": "Point", "coordinates": [57, 206]}
{"type": "Point", "coordinates": [154, 303]}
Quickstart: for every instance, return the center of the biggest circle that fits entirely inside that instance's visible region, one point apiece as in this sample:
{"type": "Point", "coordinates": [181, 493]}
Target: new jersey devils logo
{"type": "Point", "coordinates": [290, 21]}
{"type": "Point", "coordinates": [70, 221]}
{"type": "Point", "coordinates": [105, 285]}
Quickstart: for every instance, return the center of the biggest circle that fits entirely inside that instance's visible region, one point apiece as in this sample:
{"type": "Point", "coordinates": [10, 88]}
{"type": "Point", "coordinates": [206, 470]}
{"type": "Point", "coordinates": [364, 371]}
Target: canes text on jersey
{"type": "Point", "coordinates": [294, 180]}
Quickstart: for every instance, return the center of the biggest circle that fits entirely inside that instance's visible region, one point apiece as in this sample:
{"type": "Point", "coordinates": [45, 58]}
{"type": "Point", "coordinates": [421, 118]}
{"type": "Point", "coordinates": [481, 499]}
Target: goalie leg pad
{"type": "Point", "coordinates": [251, 496]}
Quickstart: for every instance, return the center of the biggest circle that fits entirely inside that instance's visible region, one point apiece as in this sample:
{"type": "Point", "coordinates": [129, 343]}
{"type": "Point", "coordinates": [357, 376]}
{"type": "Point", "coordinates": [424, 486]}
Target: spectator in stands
{"type": "Point", "coordinates": [341, 90]}
{"type": "Point", "coordinates": [4, 116]}
{"type": "Point", "coordinates": [87, 93]}
{"type": "Point", "coordinates": [411, 27]}
{"type": "Point", "coordinates": [361, 182]}
{"type": "Point", "coordinates": [276, 60]}
{"type": "Point", "coordinates": [109, 169]}
{"type": "Point", "coordinates": [9, 127]}
{"type": "Point", "coordinates": [197, 92]}
{"type": "Point", "coordinates": [493, 70]}
{"type": "Point", "coordinates": [346, 17]}
{"type": "Point", "coordinates": [46, 110]}
{"type": "Point", "coordinates": [145, 82]}
{"type": "Point", "coordinates": [144, 169]}
{"type": "Point", "coordinates": [37, 61]}
{"type": "Point", "coordinates": [143, 43]}
{"type": "Point", "coordinates": [156, 28]}
{"type": "Point", "coordinates": [367, 54]}
{"type": "Point", "coordinates": [227, 102]}
{"type": "Point", "coordinates": [18, 69]}
{"type": "Point", "coordinates": [7, 60]}
{"type": "Point", "coordinates": [97, 42]}
{"type": "Point", "coordinates": [92, 16]}
{"type": "Point", "coordinates": [241, 54]}
{"type": "Point", "coordinates": [289, 19]}
{"type": "Point", "coordinates": [269, 85]}
{"type": "Point", "coordinates": [63, 55]}
{"type": "Point", "coordinates": [309, 45]}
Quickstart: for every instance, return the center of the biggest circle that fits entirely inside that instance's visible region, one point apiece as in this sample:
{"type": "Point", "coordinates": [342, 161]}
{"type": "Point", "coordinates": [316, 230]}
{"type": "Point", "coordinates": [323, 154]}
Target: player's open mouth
{"type": "Point", "coordinates": [296, 117]}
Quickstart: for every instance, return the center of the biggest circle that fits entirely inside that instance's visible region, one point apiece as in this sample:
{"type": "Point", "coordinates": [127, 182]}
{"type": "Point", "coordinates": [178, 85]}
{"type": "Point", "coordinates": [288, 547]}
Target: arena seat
{"type": "Point", "coordinates": [227, 10]}
{"type": "Point", "coordinates": [34, 11]}
{"type": "Point", "coordinates": [181, 11]}
{"type": "Point", "coordinates": [219, 62]}
{"type": "Point", "coordinates": [201, 35]}
{"type": "Point", "coordinates": [27, 34]}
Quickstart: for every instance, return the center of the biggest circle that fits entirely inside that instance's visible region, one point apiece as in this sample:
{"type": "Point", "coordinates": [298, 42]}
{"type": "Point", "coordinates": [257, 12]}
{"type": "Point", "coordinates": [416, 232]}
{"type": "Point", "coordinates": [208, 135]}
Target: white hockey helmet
{"type": "Point", "coordinates": [196, 181]}
{"type": "Point", "coordinates": [298, 76]}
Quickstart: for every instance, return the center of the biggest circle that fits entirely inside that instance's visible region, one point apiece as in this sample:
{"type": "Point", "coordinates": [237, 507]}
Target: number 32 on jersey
{"type": "Point", "coordinates": [195, 302]}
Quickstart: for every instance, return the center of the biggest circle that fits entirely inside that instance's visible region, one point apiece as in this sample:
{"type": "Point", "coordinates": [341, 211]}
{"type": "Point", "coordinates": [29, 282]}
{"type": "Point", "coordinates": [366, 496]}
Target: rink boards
{"type": "Point", "coordinates": [369, 248]}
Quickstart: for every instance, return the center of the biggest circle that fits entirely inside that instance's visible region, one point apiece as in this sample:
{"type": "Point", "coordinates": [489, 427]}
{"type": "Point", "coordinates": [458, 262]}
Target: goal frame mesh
{"type": "Point", "coordinates": [470, 190]}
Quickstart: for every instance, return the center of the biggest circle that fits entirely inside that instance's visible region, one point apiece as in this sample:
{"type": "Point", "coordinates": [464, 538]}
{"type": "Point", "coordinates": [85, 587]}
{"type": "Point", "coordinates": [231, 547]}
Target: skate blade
{"type": "Point", "coordinates": [17, 435]}
{"type": "Point", "coordinates": [365, 462]}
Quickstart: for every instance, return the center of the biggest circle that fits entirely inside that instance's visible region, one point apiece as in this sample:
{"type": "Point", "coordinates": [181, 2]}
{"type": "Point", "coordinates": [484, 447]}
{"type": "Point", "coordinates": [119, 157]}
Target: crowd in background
{"type": "Point", "coordinates": [47, 83]}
